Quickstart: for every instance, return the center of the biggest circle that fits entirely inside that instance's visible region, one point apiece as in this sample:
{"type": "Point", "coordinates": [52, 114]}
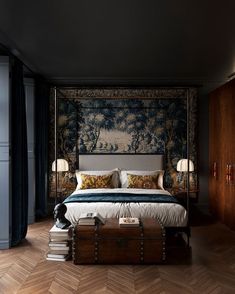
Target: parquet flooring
{"type": "Point", "coordinates": [209, 269]}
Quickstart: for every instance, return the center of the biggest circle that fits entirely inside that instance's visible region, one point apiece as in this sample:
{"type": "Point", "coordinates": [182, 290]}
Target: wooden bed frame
{"type": "Point", "coordinates": [124, 161]}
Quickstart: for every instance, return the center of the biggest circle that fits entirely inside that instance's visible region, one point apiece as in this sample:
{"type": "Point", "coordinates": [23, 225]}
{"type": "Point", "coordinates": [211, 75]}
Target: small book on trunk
{"type": "Point", "coordinates": [129, 222]}
{"type": "Point", "coordinates": [90, 218]}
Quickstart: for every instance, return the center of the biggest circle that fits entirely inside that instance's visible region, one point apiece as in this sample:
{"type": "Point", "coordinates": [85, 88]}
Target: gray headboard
{"type": "Point", "coordinates": [124, 161]}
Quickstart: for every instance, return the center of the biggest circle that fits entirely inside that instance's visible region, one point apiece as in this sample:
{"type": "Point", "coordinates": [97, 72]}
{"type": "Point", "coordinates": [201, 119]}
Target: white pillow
{"type": "Point", "coordinates": [124, 180]}
{"type": "Point", "coordinates": [114, 172]}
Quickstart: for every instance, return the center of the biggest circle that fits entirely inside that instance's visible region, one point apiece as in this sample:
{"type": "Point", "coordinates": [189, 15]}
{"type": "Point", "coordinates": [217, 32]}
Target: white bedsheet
{"type": "Point", "coordinates": [170, 214]}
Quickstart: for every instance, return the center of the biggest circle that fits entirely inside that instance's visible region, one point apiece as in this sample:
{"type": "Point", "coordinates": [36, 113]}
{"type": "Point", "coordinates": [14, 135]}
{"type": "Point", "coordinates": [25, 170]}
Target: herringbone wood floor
{"type": "Point", "coordinates": [211, 269]}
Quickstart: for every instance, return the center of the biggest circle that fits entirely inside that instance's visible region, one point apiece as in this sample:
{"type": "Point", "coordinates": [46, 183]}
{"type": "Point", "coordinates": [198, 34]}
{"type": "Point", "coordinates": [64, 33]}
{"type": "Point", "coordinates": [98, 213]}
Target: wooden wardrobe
{"type": "Point", "coordinates": [222, 153]}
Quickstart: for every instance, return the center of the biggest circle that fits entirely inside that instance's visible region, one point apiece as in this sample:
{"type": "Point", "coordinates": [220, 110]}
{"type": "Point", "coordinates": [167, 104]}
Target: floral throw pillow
{"type": "Point", "coordinates": [143, 182]}
{"type": "Point", "coordinates": [94, 182]}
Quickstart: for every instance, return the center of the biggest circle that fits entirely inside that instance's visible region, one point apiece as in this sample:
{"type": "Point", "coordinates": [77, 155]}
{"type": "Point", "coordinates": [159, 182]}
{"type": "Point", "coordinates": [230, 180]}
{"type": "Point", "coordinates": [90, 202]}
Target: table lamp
{"type": "Point", "coordinates": [62, 166]}
{"type": "Point", "coordinates": [182, 166]}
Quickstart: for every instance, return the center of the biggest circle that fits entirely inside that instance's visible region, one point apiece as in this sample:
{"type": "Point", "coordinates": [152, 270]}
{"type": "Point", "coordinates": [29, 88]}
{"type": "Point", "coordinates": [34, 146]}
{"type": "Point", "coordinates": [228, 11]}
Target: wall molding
{"type": "Point", "coordinates": [4, 244]}
{"type": "Point", "coordinates": [203, 84]}
{"type": "Point", "coordinates": [5, 207]}
{"type": "Point", "coordinates": [30, 100]}
{"type": "Point", "coordinates": [4, 152]}
{"type": "Point", "coordinates": [29, 82]}
{"type": "Point", "coordinates": [127, 92]}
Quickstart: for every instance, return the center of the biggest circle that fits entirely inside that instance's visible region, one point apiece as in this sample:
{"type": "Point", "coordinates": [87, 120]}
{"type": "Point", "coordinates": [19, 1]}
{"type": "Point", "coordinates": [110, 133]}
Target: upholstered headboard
{"type": "Point", "coordinates": [123, 161]}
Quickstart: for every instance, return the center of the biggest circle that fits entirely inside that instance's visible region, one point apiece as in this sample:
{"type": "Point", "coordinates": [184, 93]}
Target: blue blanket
{"type": "Point", "coordinates": [120, 197]}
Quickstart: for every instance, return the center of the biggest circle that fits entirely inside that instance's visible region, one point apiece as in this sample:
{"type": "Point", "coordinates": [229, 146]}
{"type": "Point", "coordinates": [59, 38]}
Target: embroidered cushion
{"type": "Point", "coordinates": [143, 182]}
{"type": "Point", "coordinates": [114, 173]}
{"type": "Point", "coordinates": [94, 182]}
{"type": "Point", "coordinates": [124, 179]}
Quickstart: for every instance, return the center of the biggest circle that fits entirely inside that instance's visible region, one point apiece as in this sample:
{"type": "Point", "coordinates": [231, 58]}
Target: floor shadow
{"type": "Point", "coordinates": [198, 217]}
{"type": "Point", "coordinates": [177, 250]}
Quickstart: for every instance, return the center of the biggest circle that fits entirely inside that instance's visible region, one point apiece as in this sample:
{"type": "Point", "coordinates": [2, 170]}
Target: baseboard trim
{"type": "Point", "coordinates": [203, 207]}
{"type": "Point", "coordinates": [31, 219]}
{"type": "Point", "coordinates": [4, 244]}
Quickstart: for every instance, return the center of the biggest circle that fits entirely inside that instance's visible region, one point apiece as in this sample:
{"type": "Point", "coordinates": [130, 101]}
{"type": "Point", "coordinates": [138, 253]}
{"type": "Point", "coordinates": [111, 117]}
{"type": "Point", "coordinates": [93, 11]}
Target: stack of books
{"type": "Point", "coordinates": [90, 219]}
{"type": "Point", "coordinates": [59, 244]}
{"type": "Point", "coordinates": [129, 222]}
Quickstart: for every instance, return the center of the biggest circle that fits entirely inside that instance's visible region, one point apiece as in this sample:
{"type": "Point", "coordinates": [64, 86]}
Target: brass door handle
{"type": "Point", "coordinates": [215, 170]}
{"type": "Point", "coordinates": [230, 174]}
{"type": "Point", "coordinates": [227, 174]}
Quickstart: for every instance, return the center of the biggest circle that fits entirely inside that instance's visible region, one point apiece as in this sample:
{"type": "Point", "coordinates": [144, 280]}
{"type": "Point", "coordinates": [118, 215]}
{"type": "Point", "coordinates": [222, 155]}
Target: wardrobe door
{"type": "Point", "coordinates": [222, 153]}
{"type": "Point", "coordinates": [214, 151]}
{"type": "Point", "coordinates": [232, 156]}
{"type": "Point", "coordinates": [229, 154]}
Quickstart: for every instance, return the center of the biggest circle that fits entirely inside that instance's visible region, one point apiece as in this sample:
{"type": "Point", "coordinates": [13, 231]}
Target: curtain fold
{"type": "Point", "coordinates": [42, 92]}
{"type": "Point", "coordinates": [19, 155]}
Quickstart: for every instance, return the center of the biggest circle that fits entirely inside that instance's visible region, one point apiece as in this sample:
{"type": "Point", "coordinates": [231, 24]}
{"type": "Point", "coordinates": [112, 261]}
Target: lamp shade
{"type": "Point", "coordinates": [62, 165]}
{"type": "Point", "coordinates": [182, 165]}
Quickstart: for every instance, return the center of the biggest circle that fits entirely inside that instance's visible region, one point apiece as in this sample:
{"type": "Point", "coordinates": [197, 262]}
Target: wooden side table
{"type": "Point", "coordinates": [181, 194]}
{"type": "Point", "coordinates": [63, 193]}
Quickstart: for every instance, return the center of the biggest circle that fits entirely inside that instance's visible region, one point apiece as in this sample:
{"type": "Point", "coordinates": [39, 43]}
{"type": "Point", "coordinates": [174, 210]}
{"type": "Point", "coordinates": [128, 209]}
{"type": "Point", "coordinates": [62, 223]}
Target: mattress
{"type": "Point", "coordinates": [169, 214]}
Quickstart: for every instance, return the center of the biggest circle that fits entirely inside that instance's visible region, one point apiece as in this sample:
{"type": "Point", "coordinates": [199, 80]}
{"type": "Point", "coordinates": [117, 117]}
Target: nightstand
{"type": "Point", "coordinates": [181, 194]}
{"type": "Point", "coordinates": [62, 193]}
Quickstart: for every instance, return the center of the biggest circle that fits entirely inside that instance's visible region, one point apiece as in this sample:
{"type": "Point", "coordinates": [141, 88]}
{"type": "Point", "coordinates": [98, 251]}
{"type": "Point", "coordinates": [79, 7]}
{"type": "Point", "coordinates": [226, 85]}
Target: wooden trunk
{"type": "Point", "coordinates": [112, 244]}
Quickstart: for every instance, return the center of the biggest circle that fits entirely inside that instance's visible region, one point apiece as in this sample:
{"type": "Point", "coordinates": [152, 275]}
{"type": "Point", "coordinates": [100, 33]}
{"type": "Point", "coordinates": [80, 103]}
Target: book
{"type": "Point", "coordinates": [58, 233]}
{"type": "Point", "coordinates": [59, 238]}
{"type": "Point", "coordinates": [59, 252]}
{"type": "Point", "coordinates": [54, 229]}
{"type": "Point", "coordinates": [129, 222]}
{"type": "Point", "coordinates": [57, 259]}
{"type": "Point", "coordinates": [87, 222]}
{"type": "Point", "coordinates": [61, 258]}
{"type": "Point", "coordinates": [58, 243]}
{"type": "Point", "coordinates": [59, 248]}
{"type": "Point", "coordinates": [92, 215]}
{"type": "Point", "coordinates": [51, 255]}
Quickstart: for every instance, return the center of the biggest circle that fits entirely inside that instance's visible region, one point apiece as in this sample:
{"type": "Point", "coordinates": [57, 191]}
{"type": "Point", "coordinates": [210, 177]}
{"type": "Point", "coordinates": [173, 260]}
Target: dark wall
{"type": "Point", "coordinates": [203, 148]}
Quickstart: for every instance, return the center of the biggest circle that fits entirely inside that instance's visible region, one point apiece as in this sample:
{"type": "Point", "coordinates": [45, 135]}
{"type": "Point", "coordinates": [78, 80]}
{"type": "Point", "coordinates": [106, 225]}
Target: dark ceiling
{"type": "Point", "coordinates": [159, 42]}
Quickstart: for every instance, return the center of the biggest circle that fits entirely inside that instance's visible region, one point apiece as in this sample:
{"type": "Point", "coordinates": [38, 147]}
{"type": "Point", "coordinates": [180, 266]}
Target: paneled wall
{"type": "Point", "coordinates": [5, 160]}
{"type": "Point", "coordinates": [30, 96]}
{"type": "Point", "coordinates": [5, 202]}
{"type": "Point", "coordinates": [203, 150]}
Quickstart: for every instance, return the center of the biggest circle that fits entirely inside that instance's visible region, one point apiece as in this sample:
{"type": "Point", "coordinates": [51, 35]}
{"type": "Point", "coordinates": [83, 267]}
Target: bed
{"type": "Point", "coordinates": [123, 202]}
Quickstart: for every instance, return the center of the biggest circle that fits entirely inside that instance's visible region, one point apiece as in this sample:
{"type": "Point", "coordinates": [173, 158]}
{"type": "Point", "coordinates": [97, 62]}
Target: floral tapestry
{"type": "Point", "coordinates": [130, 121]}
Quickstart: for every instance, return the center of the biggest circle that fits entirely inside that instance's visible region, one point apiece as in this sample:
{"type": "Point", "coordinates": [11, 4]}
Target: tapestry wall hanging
{"type": "Point", "coordinates": [129, 121]}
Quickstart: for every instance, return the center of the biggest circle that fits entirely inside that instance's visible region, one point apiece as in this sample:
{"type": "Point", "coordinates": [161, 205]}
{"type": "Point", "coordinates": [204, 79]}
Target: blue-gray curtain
{"type": "Point", "coordinates": [19, 154]}
{"type": "Point", "coordinates": [42, 92]}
